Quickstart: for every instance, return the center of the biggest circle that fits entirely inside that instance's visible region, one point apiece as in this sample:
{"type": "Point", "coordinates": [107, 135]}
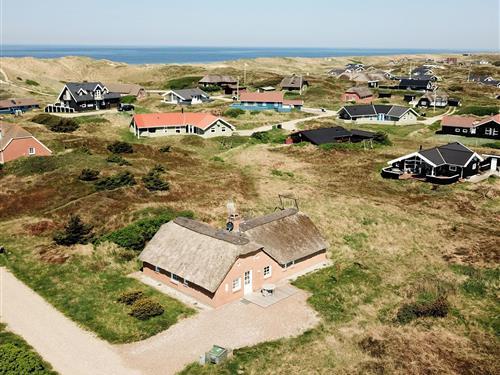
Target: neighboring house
{"type": "Point", "coordinates": [358, 94]}
{"type": "Point", "coordinates": [451, 60]}
{"type": "Point", "coordinates": [204, 125]}
{"type": "Point", "coordinates": [372, 79]}
{"type": "Point", "coordinates": [335, 134]}
{"type": "Point", "coordinates": [454, 102]}
{"type": "Point", "coordinates": [422, 71]}
{"type": "Point", "coordinates": [266, 88]}
{"type": "Point", "coordinates": [441, 165]}
{"type": "Point", "coordinates": [16, 142]}
{"type": "Point", "coordinates": [354, 67]}
{"type": "Point", "coordinates": [262, 101]}
{"type": "Point", "coordinates": [186, 96]}
{"type": "Point", "coordinates": [84, 96]}
{"type": "Point", "coordinates": [294, 83]}
{"type": "Point", "coordinates": [415, 84]}
{"type": "Point", "coordinates": [127, 89]}
{"type": "Point", "coordinates": [383, 114]}
{"type": "Point", "coordinates": [217, 80]}
{"type": "Point", "coordinates": [433, 99]}
{"type": "Point", "coordinates": [488, 127]}
{"type": "Point", "coordinates": [335, 72]}
{"type": "Point", "coordinates": [217, 266]}
{"type": "Point", "coordinates": [18, 104]}
{"type": "Point", "coordinates": [485, 80]}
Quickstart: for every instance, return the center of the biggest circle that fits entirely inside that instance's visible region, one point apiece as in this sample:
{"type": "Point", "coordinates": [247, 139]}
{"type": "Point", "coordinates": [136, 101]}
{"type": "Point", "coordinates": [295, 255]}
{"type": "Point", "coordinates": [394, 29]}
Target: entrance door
{"type": "Point", "coordinates": [247, 283]}
{"type": "Point", "coordinates": [494, 163]}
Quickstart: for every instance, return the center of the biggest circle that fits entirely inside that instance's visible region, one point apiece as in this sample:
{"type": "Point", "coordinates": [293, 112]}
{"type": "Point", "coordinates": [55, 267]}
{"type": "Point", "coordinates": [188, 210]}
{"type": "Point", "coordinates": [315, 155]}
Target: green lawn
{"type": "Point", "coordinates": [86, 288]}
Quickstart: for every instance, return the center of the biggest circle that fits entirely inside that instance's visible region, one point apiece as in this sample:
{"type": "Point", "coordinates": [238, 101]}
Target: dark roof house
{"type": "Point", "coordinates": [217, 80]}
{"type": "Point", "coordinates": [378, 113]}
{"type": "Point", "coordinates": [415, 84]}
{"type": "Point", "coordinates": [330, 135]}
{"type": "Point", "coordinates": [442, 165]}
{"type": "Point", "coordinates": [294, 83]}
{"type": "Point", "coordinates": [186, 96]}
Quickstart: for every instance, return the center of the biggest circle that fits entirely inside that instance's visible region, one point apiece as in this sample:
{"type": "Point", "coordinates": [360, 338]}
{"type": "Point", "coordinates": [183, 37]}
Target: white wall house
{"type": "Point", "coordinates": [186, 96]}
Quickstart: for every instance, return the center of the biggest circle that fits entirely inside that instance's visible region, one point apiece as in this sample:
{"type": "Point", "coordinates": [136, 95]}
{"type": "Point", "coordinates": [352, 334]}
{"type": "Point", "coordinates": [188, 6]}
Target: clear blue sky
{"type": "Point", "coordinates": [432, 24]}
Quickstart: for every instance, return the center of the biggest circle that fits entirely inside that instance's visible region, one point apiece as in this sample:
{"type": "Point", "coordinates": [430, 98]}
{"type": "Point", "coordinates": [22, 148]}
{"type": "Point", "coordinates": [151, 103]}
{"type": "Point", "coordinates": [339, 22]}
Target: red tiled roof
{"type": "Point", "coordinates": [293, 102]}
{"type": "Point", "coordinates": [262, 97]}
{"type": "Point", "coordinates": [458, 121]}
{"type": "Point", "coordinates": [152, 120]}
{"type": "Point", "coordinates": [467, 122]}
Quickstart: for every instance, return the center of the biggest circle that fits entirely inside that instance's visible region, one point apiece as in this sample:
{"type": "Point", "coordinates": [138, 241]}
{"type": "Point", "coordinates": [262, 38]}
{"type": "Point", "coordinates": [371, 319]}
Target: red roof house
{"type": "Point", "coordinates": [180, 123]}
{"type": "Point", "coordinates": [16, 142]}
{"type": "Point", "coordinates": [488, 127]}
{"type": "Point", "coordinates": [358, 95]}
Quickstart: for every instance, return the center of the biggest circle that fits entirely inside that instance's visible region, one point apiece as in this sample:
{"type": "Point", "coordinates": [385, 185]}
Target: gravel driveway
{"type": "Point", "coordinates": [74, 351]}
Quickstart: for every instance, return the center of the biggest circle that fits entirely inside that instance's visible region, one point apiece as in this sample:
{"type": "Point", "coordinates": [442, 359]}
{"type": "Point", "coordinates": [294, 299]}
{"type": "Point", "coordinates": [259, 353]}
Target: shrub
{"type": "Point", "coordinates": [121, 148]}
{"type": "Point", "coordinates": [477, 110]}
{"type": "Point", "coordinates": [211, 88]}
{"type": "Point", "coordinates": [233, 112]}
{"type": "Point", "coordinates": [182, 83]}
{"type": "Point", "coordinates": [114, 182]}
{"type": "Point", "coordinates": [158, 168]}
{"type": "Point", "coordinates": [118, 160]}
{"type": "Point", "coordinates": [153, 182]}
{"type": "Point", "coordinates": [32, 165]}
{"type": "Point", "coordinates": [146, 308]}
{"type": "Point", "coordinates": [75, 232]}
{"type": "Point", "coordinates": [456, 88]}
{"type": "Point", "coordinates": [218, 159]}
{"type": "Point", "coordinates": [135, 235]}
{"type": "Point", "coordinates": [495, 145]}
{"type": "Point", "coordinates": [130, 297]}
{"type": "Point", "coordinates": [437, 308]}
{"type": "Point", "coordinates": [89, 174]}
{"type": "Point", "coordinates": [128, 99]}
{"type": "Point", "coordinates": [55, 123]}
{"type": "Point", "coordinates": [382, 138]}
{"type": "Point", "coordinates": [32, 82]}
{"type": "Point", "coordinates": [165, 149]}
{"type": "Point", "coordinates": [271, 136]}
{"type": "Point", "coordinates": [17, 360]}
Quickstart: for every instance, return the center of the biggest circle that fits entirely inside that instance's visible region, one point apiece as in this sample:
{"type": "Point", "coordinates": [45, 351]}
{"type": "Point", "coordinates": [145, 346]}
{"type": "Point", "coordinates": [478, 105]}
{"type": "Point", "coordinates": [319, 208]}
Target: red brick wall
{"type": "Point", "coordinates": [19, 147]}
{"type": "Point", "coordinates": [254, 262]}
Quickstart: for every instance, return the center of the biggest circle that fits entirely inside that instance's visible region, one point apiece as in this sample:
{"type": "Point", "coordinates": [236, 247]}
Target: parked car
{"type": "Point", "coordinates": [125, 107]}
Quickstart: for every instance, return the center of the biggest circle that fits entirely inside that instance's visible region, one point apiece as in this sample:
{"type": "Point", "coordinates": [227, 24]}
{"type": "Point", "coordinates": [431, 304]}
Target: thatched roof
{"type": "Point", "coordinates": [286, 235]}
{"type": "Point", "coordinates": [196, 251]}
{"type": "Point", "coordinates": [204, 255]}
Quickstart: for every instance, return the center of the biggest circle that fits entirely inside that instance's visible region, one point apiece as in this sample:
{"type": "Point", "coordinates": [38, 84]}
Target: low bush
{"type": "Point", "coordinates": [130, 297]}
{"type": "Point", "coordinates": [121, 148]}
{"type": "Point", "coordinates": [114, 182]}
{"type": "Point", "coordinates": [211, 88]}
{"type": "Point", "coordinates": [55, 123]}
{"type": "Point", "coordinates": [477, 110]}
{"type": "Point", "coordinates": [382, 138]}
{"type": "Point", "coordinates": [165, 149]}
{"type": "Point", "coordinates": [32, 82]}
{"type": "Point", "coordinates": [217, 159]}
{"type": "Point", "coordinates": [75, 232]}
{"type": "Point", "coordinates": [118, 160]}
{"type": "Point", "coordinates": [456, 88]}
{"type": "Point", "coordinates": [495, 145]}
{"type": "Point", "coordinates": [146, 308]}
{"type": "Point", "coordinates": [32, 165]}
{"type": "Point", "coordinates": [436, 308]}
{"type": "Point", "coordinates": [233, 112]}
{"type": "Point", "coordinates": [128, 99]}
{"type": "Point", "coordinates": [153, 182]}
{"type": "Point", "coordinates": [271, 136]}
{"type": "Point", "coordinates": [135, 235]}
{"type": "Point", "coordinates": [17, 360]}
{"type": "Point", "coordinates": [279, 173]}
{"type": "Point", "coordinates": [182, 83]}
{"type": "Point", "coordinates": [89, 174]}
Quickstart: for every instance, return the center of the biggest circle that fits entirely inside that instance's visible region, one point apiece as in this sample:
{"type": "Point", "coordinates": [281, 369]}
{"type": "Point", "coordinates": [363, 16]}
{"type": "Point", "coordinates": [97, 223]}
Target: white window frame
{"type": "Point", "coordinates": [30, 152]}
{"type": "Point", "coordinates": [185, 282]}
{"type": "Point", "coordinates": [236, 284]}
{"type": "Point", "coordinates": [457, 130]}
{"type": "Point", "coordinates": [453, 168]}
{"type": "Point", "coordinates": [267, 274]}
{"type": "Point", "coordinates": [174, 278]}
{"type": "Point", "coordinates": [157, 269]}
{"type": "Point", "coordinates": [464, 130]}
{"type": "Point", "coordinates": [289, 264]}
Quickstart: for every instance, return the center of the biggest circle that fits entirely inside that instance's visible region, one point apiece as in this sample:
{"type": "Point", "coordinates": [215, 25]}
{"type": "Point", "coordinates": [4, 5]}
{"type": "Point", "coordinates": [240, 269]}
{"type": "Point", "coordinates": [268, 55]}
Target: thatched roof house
{"type": "Point", "coordinates": [210, 264]}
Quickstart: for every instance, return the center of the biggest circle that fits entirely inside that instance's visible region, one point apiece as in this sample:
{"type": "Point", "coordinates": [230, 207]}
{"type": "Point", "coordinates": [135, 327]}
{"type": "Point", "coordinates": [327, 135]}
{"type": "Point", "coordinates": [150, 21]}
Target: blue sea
{"type": "Point", "coordinates": [185, 55]}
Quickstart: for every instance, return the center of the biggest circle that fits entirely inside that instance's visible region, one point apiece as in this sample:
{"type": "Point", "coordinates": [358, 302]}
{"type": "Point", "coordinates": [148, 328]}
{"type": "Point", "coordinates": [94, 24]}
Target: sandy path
{"type": "Point", "coordinates": [69, 348]}
{"type": "Point", "coordinates": [74, 351]}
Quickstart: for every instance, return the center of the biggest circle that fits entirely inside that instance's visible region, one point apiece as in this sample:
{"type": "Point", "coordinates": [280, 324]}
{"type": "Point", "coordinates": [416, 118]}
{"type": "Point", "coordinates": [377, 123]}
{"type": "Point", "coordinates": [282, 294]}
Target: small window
{"type": "Point", "coordinates": [174, 278]}
{"type": "Point", "coordinates": [453, 168]}
{"type": "Point", "coordinates": [474, 166]}
{"type": "Point", "coordinates": [213, 130]}
{"type": "Point", "coordinates": [464, 131]}
{"type": "Point", "coordinates": [223, 129]}
{"type": "Point", "coordinates": [267, 271]}
{"type": "Point", "coordinates": [457, 130]}
{"type": "Point", "coordinates": [157, 269]}
{"type": "Point", "coordinates": [236, 284]}
{"type": "Point", "coordinates": [289, 264]}
{"type": "Point", "coordinates": [31, 151]}
{"type": "Point", "coordinates": [185, 282]}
